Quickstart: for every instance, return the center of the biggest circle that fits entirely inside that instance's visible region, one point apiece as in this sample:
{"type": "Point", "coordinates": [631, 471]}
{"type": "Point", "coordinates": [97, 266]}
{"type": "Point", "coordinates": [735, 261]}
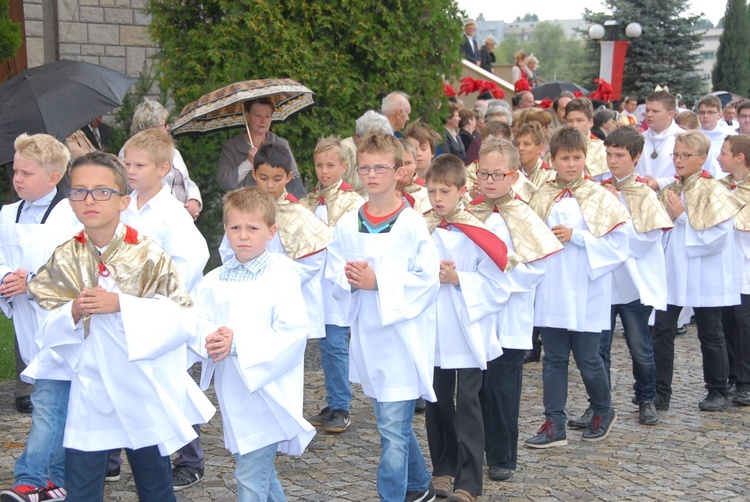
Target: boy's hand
{"type": "Point", "coordinates": [360, 275]}
{"type": "Point", "coordinates": [674, 205]}
{"type": "Point", "coordinates": [98, 301]}
{"type": "Point", "coordinates": [650, 181]}
{"type": "Point", "coordinates": [219, 343]}
{"type": "Point", "coordinates": [14, 283]}
{"type": "Point", "coordinates": [562, 233]}
{"type": "Point", "coordinates": [194, 208]}
{"type": "Point", "coordinates": [448, 273]}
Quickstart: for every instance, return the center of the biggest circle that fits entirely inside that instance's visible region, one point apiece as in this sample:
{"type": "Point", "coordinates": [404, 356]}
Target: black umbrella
{"type": "Point", "coordinates": [551, 90]}
{"type": "Point", "coordinates": [56, 99]}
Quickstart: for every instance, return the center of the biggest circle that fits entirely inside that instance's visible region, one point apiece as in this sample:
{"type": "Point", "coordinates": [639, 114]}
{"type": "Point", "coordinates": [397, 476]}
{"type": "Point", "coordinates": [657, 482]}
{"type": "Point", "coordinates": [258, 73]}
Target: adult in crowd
{"type": "Point", "coordinates": [151, 114]}
{"type": "Point", "coordinates": [469, 47]}
{"type": "Point", "coordinates": [371, 121]}
{"type": "Point", "coordinates": [396, 109]}
{"type": "Point", "coordinates": [451, 142]}
{"type": "Point", "coordinates": [520, 69]}
{"type": "Point", "coordinates": [531, 65]}
{"type": "Point", "coordinates": [743, 117]}
{"type": "Point", "coordinates": [487, 53]}
{"type": "Point", "coordinates": [604, 123]}
{"type": "Point", "coordinates": [655, 164]}
{"type": "Point", "coordinates": [558, 109]}
{"type": "Point", "coordinates": [237, 153]}
{"type": "Point", "coordinates": [729, 118]}
{"type": "Point", "coordinates": [98, 133]}
{"type": "Point", "coordinates": [467, 124]}
{"type": "Point", "coordinates": [524, 99]}
{"type": "Point", "coordinates": [627, 115]}
{"type": "Point", "coordinates": [499, 110]}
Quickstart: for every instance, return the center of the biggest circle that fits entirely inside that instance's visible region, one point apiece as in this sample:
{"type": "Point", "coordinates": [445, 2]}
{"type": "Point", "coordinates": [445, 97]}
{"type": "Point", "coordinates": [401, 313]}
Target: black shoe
{"type": "Point", "coordinates": [425, 496]}
{"type": "Point", "coordinates": [532, 356]}
{"type": "Point", "coordinates": [184, 476]}
{"type": "Point", "coordinates": [321, 418]}
{"type": "Point", "coordinates": [338, 421]}
{"type": "Point", "coordinates": [742, 398]}
{"type": "Point", "coordinates": [499, 473]}
{"type": "Point", "coordinates": [582, 422]}
{"type": "Point", "coordinates": [647, 413]}
{"type": "Point", "coordinates": [420, 405]}
{"type": "Point", "coordinates": [23, 404]}
{"type": "Point", "coordinates": [548, 436]}
{"type": "Point", "coordinates": [732, 389]}
{"type": "Point", "coordinates": [600, 426]}
{"type": "Point", "coordinates": [661, 402]}
{"type": "Point", "coordinates": [681, 331]}
{"type": "Point", "coordinates": [714, 401]}
{"type": "Point", "coordinates": [113, 475]}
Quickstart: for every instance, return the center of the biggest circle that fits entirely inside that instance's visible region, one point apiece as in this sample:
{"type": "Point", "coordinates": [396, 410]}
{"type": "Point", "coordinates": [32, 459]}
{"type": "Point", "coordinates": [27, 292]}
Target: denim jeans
{"type": "Point", "coordinates": [558, 344]}
{"type": "Point", "coordinates": [256, 476]}
{"type": "Point", "coordinates": [334, 357]}
{"type": "Point", "coordinates": [84, 476]}
{"type": "Point", "coordinates": [501, 404]}
{"type": "Point", "coordinates": [634, 317]}
{"type": "Point", "coordinates": [44, 456]}
{"type": "Point", "coordinates": [402, 467]}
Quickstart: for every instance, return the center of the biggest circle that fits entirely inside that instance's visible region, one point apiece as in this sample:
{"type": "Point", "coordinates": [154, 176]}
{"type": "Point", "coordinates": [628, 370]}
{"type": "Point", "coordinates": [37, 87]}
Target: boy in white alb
{"type": "Point", "coordinates": [715, 129]}
{"type": "Point", "coordinates": [385, 268]}
{"type": "Point", "coordinates": [655, 165]}
{"type": "Point", "coordinates": [252, 332]}
{"type": "Point", "coordinates": [330, 200]}
{"type": "Point", "coordinates": [579, 114]}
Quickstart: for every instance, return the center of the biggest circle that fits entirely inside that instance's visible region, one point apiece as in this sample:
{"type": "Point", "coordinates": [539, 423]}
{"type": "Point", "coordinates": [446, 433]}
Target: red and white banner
{"type": "Point", "coordinates": [612, 64]}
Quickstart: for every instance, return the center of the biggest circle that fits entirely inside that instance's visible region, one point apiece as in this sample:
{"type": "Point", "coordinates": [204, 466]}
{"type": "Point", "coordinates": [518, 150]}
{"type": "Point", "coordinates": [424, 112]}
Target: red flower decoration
{"type": "Point", "coordinates": [448, 90]}
{"type": "Point", "coordinates": [603, 90]}
{"type": "Point", "coordinates": [470, 85]}
{"type": "Point", "coordinates": [578, 94]}
{"type": "Point", "coordinates": [522, 85]}
{"type": "Point", "coordinates": [546, 103]}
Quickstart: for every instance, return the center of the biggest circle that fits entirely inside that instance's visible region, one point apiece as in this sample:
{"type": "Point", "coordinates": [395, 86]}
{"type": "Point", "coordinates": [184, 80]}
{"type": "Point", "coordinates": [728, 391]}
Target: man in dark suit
{"type": "Point", "coordinates": [469, 48]}
{"type": "Point", "coordinates": [98, 133]}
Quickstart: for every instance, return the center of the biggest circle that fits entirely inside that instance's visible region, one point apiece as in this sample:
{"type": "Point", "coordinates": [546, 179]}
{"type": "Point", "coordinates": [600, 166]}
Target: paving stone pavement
{"type": "Point", "coordinates": [690, 455]}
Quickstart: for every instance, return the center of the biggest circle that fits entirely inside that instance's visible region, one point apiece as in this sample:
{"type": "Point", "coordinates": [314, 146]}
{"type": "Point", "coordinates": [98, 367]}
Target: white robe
{"type": "Point", "coordinates": [392, 348]}
{"type": "Point", "coordinates": [717, 137]}
{"type": "Point", "coordinates": [576, 291]}
{"type": "Point", "coordinates": [260, 389]}
{"type": "Point", "coordinates": [129, 387]}
{"type": "Point", "coordinates": [662, 167]}
{"type": "Point", "coordinates": [515, 319]}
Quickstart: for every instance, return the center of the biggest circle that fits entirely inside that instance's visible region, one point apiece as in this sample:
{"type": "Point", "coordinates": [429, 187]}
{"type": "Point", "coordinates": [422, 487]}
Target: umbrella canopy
{"type": "Point", "coordinates": [223, 107]}
{"type": "Point", "coordinates": [551, 90]}
{"type": "Point", "coordinates": [56, 99]}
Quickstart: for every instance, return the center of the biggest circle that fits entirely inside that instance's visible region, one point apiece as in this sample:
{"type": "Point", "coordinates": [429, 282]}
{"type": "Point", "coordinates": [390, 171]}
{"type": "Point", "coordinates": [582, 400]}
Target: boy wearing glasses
{"type": "Point", "coordinates": [385, 271]}
{"type": "Point", "coordinates": [702, 269]}
{"type": "Point", "coordinates": [573, 304]}
{"type": "Point", "coordinates": [30, 230]}
{"type": "Point", "coordinates": [743, 117]}
{"type": "Point", "coordinates": [709, 113]}
{"type": "Point", "coordinates": [118, 326]}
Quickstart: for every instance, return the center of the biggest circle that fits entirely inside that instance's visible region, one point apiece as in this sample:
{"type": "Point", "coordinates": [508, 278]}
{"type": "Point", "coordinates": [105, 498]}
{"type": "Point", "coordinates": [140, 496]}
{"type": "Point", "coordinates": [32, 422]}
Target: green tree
{"type": "Point", "coordinates": [666, 53]}
{"type": "Point", "coordinates": [732, 69]}
{"type": "Point", "coordinates": [10, 33]}
{"type": "Point", "coordinates": [526, 18]}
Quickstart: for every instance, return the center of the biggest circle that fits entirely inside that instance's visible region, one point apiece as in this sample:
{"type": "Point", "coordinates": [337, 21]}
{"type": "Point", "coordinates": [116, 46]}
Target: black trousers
{"type": "Point", "coordinates": [736, 323]}
{"type": "Point", "coordinates": [455, 430]}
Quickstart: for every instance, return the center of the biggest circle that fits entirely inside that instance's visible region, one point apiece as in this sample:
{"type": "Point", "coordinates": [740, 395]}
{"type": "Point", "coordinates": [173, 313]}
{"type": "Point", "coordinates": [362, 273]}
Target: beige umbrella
{"type": "Point", "coordinates": [223, 107]}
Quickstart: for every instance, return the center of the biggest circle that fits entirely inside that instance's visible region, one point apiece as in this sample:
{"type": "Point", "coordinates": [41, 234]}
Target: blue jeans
{"type": "Point", "coordinates": [44, 456]}
{"type": "Point", "coordinates": [256, 476]}
{"type": "Point", "coordinates": [558, 344]}
{"type": "Point", "coordinates": [634, 317]}
{"type": "Point", "coordinates": [402, 467]}
{"type": "Point", "coordinates": [334, 357]}
{"type": "Point", "coordinates": [84, 477]}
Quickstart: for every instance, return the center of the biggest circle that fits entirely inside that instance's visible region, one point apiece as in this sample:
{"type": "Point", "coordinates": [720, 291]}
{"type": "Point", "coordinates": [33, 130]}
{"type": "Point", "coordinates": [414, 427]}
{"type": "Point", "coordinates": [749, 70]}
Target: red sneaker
{"type": "Point", "coordinates": [21, 493]}
{"type": "Point", "coordinates": [52, 493]}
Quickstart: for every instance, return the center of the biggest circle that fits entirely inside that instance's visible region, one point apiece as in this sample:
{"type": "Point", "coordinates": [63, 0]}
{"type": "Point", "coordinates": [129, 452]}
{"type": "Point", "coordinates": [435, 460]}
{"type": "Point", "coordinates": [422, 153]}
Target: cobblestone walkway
{"type": "Point", "coordinates": [690, 455]}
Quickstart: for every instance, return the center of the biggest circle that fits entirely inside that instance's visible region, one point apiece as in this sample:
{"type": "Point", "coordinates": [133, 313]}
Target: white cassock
{"type": "Point", "coordinates": [576, 291]}
{"type": "Point", "coordinates": [129, 387]}
{"type": "Point", "coordinates": [660, 168]}
{"type": "Point", "coordinates": [717, 137]}
{"type": "Point", "coordinates": [260, 389]}
{"type": "Point", "coordinates": [515, 319]}
{"type": "Point", "coordinates": [392, 348]}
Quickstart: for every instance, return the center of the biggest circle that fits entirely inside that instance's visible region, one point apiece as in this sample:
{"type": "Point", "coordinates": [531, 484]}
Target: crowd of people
{"type": "Point", "coordinates": [429, 267]}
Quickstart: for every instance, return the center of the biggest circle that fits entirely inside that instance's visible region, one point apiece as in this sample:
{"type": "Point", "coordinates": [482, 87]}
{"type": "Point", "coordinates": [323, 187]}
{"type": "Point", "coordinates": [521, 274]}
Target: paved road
{"type": "Point", "coordinates": [690, 455]}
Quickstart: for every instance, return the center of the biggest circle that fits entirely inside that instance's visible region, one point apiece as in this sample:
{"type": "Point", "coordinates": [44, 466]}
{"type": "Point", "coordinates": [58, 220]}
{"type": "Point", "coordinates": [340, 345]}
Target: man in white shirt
{"type": "Point", "coordinates": [655, 165]}
{"type": "Point", "coordinates": [469, 47]}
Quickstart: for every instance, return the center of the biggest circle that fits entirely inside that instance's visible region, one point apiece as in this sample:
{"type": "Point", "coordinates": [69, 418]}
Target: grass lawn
{"type": "Point", "coordinates": [7, 358]}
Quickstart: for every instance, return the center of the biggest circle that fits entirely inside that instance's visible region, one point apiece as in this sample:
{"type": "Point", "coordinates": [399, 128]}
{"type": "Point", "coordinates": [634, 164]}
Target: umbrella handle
{"type": "Point", "coordinates": [249, 136]}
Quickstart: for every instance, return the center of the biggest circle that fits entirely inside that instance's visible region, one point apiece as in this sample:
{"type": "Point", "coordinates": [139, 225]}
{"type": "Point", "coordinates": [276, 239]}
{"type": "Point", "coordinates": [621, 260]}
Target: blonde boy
{"type": "Point", "coordinates": [530, 143]}
{"type": "Point", "coordinates": [256, 355]}
{"type": "Point", "coordinates": [330, 200]}
{"type": "Point", "coordinates": [385, 268]}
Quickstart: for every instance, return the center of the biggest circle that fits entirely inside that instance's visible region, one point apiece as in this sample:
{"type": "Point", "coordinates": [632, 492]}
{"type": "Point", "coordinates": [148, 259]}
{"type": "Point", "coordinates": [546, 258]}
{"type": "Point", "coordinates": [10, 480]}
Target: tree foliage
{"type": "Point", "coordinates": [10, 33]}
{"type": "Point", "coordinates": [666, 53]}
{"type": "Point", "coordinates": [526, 18]}
{"type": "Point", "coordinates": [732, 69]}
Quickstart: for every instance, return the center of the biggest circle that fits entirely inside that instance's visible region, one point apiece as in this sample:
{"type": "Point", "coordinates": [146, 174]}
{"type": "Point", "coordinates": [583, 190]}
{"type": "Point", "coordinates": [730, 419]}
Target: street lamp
{"type": "Point", "coordinates": [614, 47]}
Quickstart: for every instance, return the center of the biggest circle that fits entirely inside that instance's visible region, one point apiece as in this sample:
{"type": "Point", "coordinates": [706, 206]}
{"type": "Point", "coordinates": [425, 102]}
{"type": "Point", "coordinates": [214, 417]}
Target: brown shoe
{"type": "Point", "coordinates": [462, 496]}
{"type": "Point", "coordinates": [443, 486]}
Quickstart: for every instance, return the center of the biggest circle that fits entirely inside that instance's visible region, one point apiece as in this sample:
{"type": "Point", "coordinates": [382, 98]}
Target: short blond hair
{"type": "Point", "coordinates": [155, 142]}
{"type": "Point", "coordinates": [409, 147]}
{"type": "Point", "coordinates": [383, 144]}
{"type": "Point", "coordinates": [504, 148]}
{"type": "Point", "coordinates": [251, 200]}
{"type": "Point", "coordinates": [50, 153]}
{"type": "Point", "coordinates": [330, 144]}
{"type": "Point", "coordinates": [695, 140]}
{"type": "Point", "coordinates": [148, 114]}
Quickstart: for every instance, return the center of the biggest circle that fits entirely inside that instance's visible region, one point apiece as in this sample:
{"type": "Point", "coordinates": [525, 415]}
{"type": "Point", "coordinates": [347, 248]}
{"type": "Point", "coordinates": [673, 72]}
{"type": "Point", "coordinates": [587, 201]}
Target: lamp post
{"type": "Point", "coordinates": [614, 47]}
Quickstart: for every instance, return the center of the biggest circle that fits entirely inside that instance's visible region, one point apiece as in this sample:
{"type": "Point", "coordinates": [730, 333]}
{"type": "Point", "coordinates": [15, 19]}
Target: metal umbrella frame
{"type": "Point", "coordinates": [223, 108]}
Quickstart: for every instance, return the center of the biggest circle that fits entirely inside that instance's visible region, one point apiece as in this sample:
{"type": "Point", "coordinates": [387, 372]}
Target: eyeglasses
{"type": "Point", "coordinates": [496, 176]}
{"type": "Point", "coordinates": [707, 112]}
{"type": "Point", "coordinates": [162, 124]}
{"type": "Point", "coordinates": [378, 169]}
{"type": "Point", "coordinates": [684, 156]}
{"type": "Point", "coordinates": [743, 117]}
{"type": "Point", "coordinates": [98, 194]}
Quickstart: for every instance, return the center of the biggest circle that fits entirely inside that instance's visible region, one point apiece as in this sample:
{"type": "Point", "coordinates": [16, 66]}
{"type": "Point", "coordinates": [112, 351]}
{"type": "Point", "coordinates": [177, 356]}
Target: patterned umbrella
{"type": "Point", "coordinates": [223, 108]}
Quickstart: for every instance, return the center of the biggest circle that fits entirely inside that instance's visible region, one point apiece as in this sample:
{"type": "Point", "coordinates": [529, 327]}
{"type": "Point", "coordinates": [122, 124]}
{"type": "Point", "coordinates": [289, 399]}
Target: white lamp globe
{"type": "Point", "coordinates": [596, 31]}
{"type": "Point", "coordinates": [633, 30]}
